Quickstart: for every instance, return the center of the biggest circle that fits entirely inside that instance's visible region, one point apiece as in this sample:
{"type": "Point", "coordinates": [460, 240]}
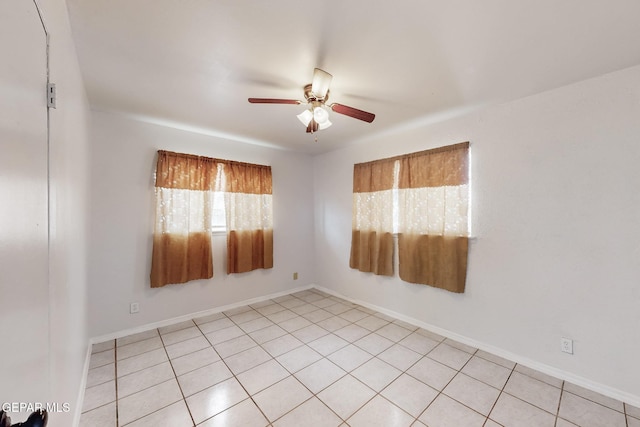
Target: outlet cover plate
{"type": "Point", "coordinates": [566, 345]}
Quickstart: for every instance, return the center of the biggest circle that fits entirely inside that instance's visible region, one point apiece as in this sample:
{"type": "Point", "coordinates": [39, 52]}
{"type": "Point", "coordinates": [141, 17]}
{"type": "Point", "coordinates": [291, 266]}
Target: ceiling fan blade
{"type": "Point", "coordinates": [353, 112]}
{"type": "Point", "coordinates": [273, 101]}
{"type": "Point", "coordinates": [320, 83]}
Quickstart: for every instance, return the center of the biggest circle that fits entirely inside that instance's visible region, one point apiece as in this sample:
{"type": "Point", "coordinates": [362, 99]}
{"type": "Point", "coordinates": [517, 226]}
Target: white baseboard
{"type": "Point", "coordinates": [159, 324]}
{"type": "Point", "coordinates": [530, 363]}
{"type": "Point", "coordinates": [522, 360]}
{"type": "Point", "coordinates": [167, 322]}
{"type": "Point", "coordinates": [83, 386]}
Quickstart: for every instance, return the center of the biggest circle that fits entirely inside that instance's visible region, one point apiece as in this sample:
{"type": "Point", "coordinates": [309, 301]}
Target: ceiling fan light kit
{"type": "Point", "coordinates": [316, 94]}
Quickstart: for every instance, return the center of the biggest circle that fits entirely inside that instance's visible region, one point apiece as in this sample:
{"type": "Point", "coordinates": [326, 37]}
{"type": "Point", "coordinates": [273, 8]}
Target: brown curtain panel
{"type": "Point", "coordinates": [249, 210]}
{"type": "Point", "coordinates": [433, 217]}
{"type": "Point", "coordinates": [182, 231]}
{"type": "Point", "coordinates": [372, 219]}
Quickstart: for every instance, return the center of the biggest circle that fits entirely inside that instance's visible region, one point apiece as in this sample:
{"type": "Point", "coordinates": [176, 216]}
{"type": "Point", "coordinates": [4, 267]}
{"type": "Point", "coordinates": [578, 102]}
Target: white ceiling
{"type": "Point", "coordinates": [193, 63]}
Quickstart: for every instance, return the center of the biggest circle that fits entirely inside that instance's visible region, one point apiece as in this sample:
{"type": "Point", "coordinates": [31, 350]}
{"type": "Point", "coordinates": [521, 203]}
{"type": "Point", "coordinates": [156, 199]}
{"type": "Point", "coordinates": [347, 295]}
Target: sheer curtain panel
{"type": "Point", "coordinates": [433, 201]}
{"type": "Point", "coordinates": [372, 220]}
{"type": "Point", "coordinates": [249, 210]}
{"type": "Point", "coordinates": [182, 231]}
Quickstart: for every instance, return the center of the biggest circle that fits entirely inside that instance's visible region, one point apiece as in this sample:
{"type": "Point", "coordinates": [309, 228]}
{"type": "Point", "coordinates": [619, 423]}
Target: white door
{"type": "Point", "coordinates": [24, 290]}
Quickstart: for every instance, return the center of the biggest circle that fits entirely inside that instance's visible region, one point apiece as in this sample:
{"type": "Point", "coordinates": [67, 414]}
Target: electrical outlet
{"type": "Point", "coordinates": [566, 345]}
{"type": "Point", "coordinates": [295, 276]}
{"type": "Point", "coordinates": [134, 308]}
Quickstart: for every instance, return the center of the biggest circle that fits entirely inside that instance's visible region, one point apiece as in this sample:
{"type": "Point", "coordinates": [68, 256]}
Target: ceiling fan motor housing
{"type": "Point", "coordinates": [310, 96]}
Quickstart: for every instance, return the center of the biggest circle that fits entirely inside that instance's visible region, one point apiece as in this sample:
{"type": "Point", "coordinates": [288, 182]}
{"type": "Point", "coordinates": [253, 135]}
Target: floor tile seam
{"type": "Point", "coordinates": [93, 351]}
{"type": "Point", "coordinates": [220, 359]}
{"type": "Point", "coordinates": [233, 406]}
{"type": "Point", "coordinates": [226, 312]}
{"type": "Point", "coordinates": [559, 403]}
{"type": "Point", "coordinates": [250, 396]}
{"type": "Point", "coordinates": [190, 370]}
{"type": "Point", "coordinates": [138, 354]}
{"type": "Point", "coordinates": [238, 352]}
{"type": "Point", "coordinates": [233, 375]}
{"type": "Point", "coordinates": [246, 321]}
{"type": "Point", "coordinates": [115, 358]}
{"type": "Point", "coordinates": [442, 363]}
{"type": "Point", "coordinates": [501, 392]}
{"type": "Point", "coordinates": [177, 330]}
{"type": "Point", "coordinates": [274, 357]}
{"type": "Point", "coordinates": [353, 342]}
{"type": "Point", "coordinates": [561, 387]}
{"type": "Point", "coordinates": [101, 383]}
{"type": "Point", "coordinates": [158, 410]}
{"type": "Point", "coordinates": [366, 403]}
{"type": "Point", "coordinates": [469, 407]}
{"type": "Point", "coordinates": [348, 372]}
{"type": "Point", "coordinates": [302, 403]}
{"type": "Point", "coordinates": [328, 385]}
{"type": "Point", "coordinates": [183, 340]}
{"type": "Point", "coordinates": [140, 340]}
{"type": "Point", "coordinates": [103, 351]}
{"type": "Point", "coordinates": [441, 392]}
{"type": "Point", "coordinates": [484, 382]}
{"type": "Point", "coordinates": [175, 377]}
{"type": "Point", "coordinates": [225, 362]}
{"type": "Point", "coordinates": [142, 369]}
{"type": "Point", "coordinates": [150, 386]}
{"type": "Point", "coordinates": [489, 360]}
{"type": "Point", "coordinates": [531, 404]}
{"type": "Point", "coordinates": [115, 402]}
{"type": "Point", "coordinates": [598, 403]}
{"type": "Point", "coordinates": [409, 348]}
{"type": "Point", "coordinates": [534, 404]}
{"type": "Point", "coordinates": [222, 342]}
{"type": "Point", "coordinates": [469, 376]}
{"type": "Point", "coordinates": [395, 404]}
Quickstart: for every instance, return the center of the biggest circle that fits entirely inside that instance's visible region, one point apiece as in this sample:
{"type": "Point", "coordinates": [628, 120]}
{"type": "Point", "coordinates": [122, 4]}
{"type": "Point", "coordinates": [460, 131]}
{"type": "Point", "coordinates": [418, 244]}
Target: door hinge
{"type": "Point", "coordinates": [51, 95]}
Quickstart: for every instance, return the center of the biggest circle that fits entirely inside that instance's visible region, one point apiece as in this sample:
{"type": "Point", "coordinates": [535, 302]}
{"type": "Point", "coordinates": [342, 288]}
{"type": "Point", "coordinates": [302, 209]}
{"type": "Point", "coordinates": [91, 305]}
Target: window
{"type": "Point", "coordinates": [195, 195]}
{"type": "Point", "coordinates": [423, 198]}
{"type": "Point", "coordinates": [218, 213]}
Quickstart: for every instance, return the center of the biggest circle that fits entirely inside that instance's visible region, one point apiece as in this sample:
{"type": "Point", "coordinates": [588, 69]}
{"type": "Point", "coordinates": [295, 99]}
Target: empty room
{"type": "Point", "coordinates": [292, 213]}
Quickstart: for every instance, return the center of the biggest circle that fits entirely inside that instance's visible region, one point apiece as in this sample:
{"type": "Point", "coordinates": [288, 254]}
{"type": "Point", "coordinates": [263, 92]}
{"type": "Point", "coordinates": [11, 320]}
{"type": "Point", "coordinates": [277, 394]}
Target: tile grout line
{"type": "Point", "coordinates": [147, 388]}
{"type": "Point", "coordinates": [115, 370]}
{"type": "Point", "coordinates": [349, 341]}
{"type": "Point", "coordinates": [441, 392]}
{"type": "Point", "coordinates": [500, 394]}
{"type": "Point", "coordinates": [559, 403]}
{"type": "Point", "coordinates": [175, 376]}
{"type": "Point", "coordinates": [293, 374]}
{"type": "Point", "coordinates": [232, 373]}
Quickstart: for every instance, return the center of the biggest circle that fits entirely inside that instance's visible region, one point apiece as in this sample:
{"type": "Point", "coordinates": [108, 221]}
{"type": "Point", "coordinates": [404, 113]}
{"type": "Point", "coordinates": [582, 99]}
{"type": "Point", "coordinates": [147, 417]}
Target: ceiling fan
{"type": "Point", "coordinates": [316, 94]}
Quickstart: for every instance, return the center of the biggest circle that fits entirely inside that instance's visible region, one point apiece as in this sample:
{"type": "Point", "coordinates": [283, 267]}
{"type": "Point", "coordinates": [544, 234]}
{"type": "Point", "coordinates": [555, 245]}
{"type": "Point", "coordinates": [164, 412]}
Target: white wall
{"type": "Point", "coordinates": [69, 149]}
{"type": "Point", "coordinates": [556, 214]}
{"type": "Point", "coordinates": [43, 277]}
{"type": "Point", "coordinates": [122, 213]}
{"type": "Point", "coordinates": [24, 288]}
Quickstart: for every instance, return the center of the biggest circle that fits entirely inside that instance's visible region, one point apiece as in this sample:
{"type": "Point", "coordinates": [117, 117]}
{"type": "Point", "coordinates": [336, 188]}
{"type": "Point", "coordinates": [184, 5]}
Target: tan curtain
{"type": "Point", "coordinates": [372, 219]}
{"type": "Point", "coordinates": [249, 210]}
{"type": "Point", "coordinates": [433, 201]}
{"type": "Point", "coordinates": [182, 231]}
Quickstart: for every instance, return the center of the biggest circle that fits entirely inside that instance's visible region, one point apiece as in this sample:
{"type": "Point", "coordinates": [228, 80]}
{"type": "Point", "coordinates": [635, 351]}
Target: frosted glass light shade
{"type": "Point", "coordinates": [305, 117]}
{"type": "Point", "coordinates": [320, 115]}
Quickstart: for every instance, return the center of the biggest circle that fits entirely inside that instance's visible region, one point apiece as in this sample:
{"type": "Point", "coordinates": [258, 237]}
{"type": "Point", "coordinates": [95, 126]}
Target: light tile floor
{"type": "Point", "coordinates": [311, 359]}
